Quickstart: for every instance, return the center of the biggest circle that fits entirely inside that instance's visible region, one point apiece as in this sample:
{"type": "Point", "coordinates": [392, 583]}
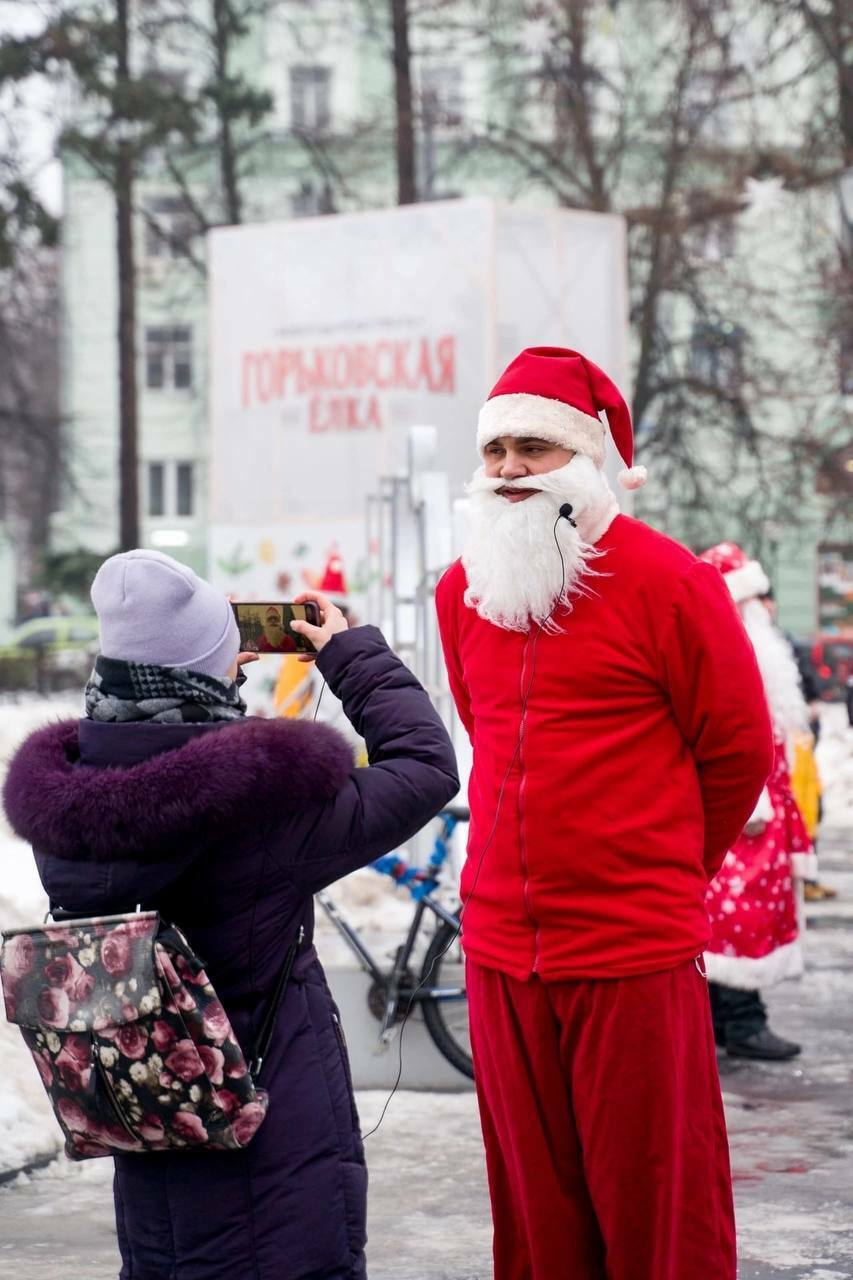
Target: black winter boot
{"type": "Point", "coordinates": [737, 1014]}
{"type": "Point", "coordinates": [763, 1045]}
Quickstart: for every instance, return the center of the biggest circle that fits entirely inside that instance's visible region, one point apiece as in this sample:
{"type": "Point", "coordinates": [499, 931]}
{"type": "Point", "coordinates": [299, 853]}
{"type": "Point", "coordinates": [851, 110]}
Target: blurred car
{"type": "Point", "coordinates": [832, 654]}
{"type": "Point", "coordinates": [54, 632]}
{"type": "Point", "coordinates": [48, 653]}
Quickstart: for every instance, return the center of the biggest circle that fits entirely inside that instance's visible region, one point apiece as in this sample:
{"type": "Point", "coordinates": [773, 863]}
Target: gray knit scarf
{"type": "Point", "coordinates": [123, 691]}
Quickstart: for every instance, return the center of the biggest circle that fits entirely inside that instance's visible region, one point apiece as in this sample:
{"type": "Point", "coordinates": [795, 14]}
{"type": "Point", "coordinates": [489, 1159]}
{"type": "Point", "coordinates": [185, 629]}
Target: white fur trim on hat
{"type": "Point", "coordinates": [528, 415]}
{"type": "Point", "coordinates": [633, 477]}
{"type": "Point", "coordinates": [747, 581]}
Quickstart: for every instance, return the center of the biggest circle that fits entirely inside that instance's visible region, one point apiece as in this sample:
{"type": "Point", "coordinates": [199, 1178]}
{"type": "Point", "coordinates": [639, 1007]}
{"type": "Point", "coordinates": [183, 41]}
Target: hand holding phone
{"type": "Point", "coordinates": [331, 622]}
{"type": "Point", "coordinates": [268, 626]}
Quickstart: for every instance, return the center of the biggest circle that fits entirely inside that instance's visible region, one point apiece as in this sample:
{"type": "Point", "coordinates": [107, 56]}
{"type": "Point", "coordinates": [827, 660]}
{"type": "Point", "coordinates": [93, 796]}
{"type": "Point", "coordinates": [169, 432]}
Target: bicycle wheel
{"type": "Point", "coordinates": [447, 1020]}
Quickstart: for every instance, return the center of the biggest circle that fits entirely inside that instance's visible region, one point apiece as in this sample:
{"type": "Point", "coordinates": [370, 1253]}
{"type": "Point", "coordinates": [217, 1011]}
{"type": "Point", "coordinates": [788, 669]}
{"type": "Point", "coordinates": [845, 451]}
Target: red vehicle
{"type": "Point", "coordinates": [832, 655]}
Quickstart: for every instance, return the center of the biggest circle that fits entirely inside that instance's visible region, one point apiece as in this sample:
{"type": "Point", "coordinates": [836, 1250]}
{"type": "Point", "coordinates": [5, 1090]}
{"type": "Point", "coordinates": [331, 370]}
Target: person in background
{"type": "Point", "coordinates": [752, 901]}
{"type": "Point", "coordinates": [294, 687]}
{"type": "Point", "coordinates": [620, 737]}
{"type": "Point", "coordinates": [168, 795]}
{"type": "Point", "coordinates": [35, 604]}
{"type": "Point", "coordinates": [805, 779]}
{"type": "Point", "coordinates": [805, 666]}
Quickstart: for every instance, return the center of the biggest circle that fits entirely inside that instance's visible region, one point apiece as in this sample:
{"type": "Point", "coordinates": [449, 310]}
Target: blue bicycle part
{"type": "Point", "coordinates": [420, 881]}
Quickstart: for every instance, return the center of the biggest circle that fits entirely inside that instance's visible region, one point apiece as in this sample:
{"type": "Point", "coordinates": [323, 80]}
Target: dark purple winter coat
{"type": "Point", "coordinates": [228, 829]}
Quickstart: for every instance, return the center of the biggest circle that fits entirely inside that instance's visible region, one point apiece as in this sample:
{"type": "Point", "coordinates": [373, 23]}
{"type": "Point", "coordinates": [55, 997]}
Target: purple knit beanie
{"type": "Point", "coordinates": [152, 609]}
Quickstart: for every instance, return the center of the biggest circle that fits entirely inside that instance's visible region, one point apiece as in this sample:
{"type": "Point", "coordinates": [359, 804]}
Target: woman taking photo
{"type": "Point", "coordinates": [167, 795]}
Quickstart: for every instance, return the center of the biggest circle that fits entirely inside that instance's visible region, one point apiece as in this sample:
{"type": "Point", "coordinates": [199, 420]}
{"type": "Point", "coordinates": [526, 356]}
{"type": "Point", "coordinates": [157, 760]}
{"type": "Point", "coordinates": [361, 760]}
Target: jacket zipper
{"type": "Point", "coordinates": [111, 1096]}
{"type": "Point", "coordinates": [525, 698]}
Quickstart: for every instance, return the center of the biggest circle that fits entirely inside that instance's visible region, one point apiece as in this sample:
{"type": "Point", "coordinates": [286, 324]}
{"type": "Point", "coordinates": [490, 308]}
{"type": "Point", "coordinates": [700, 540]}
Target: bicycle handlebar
{"type": "Point", "coordinates": [460, 812]}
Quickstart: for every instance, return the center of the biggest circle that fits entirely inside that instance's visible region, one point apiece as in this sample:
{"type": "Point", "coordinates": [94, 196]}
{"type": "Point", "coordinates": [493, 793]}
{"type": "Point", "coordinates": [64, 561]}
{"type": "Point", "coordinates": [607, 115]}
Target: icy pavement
{"type": "Point", "coordinates": [791, 1125]}
{"type": "Point", "coordinates": [791, 1129]}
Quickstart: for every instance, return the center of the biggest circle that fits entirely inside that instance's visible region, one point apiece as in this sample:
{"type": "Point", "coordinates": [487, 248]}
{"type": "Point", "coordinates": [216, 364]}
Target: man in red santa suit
{"type": "Point", "coordinates": [274, 638]}
{"type": "Point", "coordinates": [620, 740]}
{"type": "Point", "coordinates": [752, 901]}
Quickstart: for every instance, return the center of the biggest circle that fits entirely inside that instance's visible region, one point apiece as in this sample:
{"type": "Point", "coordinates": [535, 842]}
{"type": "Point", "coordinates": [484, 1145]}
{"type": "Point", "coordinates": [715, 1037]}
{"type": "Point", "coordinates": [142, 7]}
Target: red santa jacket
{"type": "Point", "coordinates": [645, 743]}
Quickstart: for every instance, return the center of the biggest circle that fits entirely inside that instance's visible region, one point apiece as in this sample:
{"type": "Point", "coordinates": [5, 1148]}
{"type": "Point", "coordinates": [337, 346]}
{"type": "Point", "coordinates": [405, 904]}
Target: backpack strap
{"type": "Point", "coordinates": [262, 1042]}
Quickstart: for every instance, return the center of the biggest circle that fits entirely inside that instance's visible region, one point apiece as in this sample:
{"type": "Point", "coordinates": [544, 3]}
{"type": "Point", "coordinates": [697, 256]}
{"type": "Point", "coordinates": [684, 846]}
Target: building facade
{"type": "Point", "coordinates": [327, 145]}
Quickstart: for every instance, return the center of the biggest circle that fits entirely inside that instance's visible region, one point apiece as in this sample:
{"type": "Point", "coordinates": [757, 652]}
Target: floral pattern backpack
{"type": "Point", "coordinates": [131, 1042]}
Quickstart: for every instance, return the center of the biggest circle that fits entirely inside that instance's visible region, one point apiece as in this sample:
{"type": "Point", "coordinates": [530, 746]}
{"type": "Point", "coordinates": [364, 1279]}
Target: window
{"type": "Point", "coordinates": [716, 354]}
{"type": "Point", "coordinates": [168, 358]}
{"type": "Point", "coordinates": [309, 98]}
{"type": "Point", "coordinates": [182, 358]}
{"type": "Point", "coordinates": [442, 101]}
{"type": "Point", "coordinates": [310, 200]}
{"type": "Point", "coordinates": [708, 112]}
{"type": "Point", "coordinates": [174, 79]}
{"type": "Point", "coordinates": [171, 489]}
{"type": "Point", "coordinates": [715, 240]}
{"type": "Point", "coordinates": [845, 362]}
{"type": "Point", "coordinates": [169, 227]}
{"type": "Point", "coordinates": [156, 489]}
{"type": "Point", "coordinates": [184, 498]}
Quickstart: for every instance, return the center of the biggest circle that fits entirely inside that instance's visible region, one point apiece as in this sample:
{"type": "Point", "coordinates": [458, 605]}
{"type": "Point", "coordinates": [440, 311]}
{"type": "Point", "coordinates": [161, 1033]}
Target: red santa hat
{"type": "Point", "coordinates": [745, 578]}
{"type": "Point", "coordinates": [556, 394]}
{"type": "Point", "coordinates": [333, 581]}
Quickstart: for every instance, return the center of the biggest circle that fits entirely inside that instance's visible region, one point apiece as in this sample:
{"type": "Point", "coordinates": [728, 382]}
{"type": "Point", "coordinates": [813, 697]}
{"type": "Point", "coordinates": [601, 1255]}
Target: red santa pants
{"type": "Point", "coordinates": [604, 1128]}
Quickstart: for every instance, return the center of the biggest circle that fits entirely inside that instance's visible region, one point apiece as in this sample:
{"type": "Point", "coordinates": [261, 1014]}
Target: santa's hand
{"type": "Point", "coordinates": [755, 827]}
{"type": "Point", "coordinates": [332, 621]}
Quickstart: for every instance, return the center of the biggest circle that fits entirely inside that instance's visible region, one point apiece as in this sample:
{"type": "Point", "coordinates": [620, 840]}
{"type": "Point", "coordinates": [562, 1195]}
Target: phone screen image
{"type": "Point", "coordinates": [265, 627]}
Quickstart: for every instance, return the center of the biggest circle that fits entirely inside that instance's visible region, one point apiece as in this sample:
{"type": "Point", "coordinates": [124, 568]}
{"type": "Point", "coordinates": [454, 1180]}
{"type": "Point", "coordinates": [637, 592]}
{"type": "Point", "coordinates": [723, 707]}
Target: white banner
{"type": "Point", "coordinates": [331, 336]}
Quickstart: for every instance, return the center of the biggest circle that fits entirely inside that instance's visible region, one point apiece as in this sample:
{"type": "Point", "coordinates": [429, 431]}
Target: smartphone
{"type": "Point", "coordinates": [265, 626]}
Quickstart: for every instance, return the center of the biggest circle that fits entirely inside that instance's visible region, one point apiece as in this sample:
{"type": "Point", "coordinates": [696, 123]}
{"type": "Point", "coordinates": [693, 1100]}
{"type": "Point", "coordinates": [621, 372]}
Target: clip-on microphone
{"type": "Point", "coordinates": [566, 514]}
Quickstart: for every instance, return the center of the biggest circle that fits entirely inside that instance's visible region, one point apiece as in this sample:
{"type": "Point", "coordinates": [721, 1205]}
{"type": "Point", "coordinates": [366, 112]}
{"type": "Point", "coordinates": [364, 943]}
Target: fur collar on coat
{"type": "Point", "coordinates": [218, 782]}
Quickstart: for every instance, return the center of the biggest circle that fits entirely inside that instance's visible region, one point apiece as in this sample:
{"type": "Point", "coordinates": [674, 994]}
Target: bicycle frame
{"type": "Point", "coordinates": [365, 957]}
{"type": "Point", "coordinates": [394, 982]}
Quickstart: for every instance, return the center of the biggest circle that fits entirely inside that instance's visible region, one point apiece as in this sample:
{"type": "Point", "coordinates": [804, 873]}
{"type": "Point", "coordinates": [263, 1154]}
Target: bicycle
{"type": "Point", "coordinates": [439, 989]}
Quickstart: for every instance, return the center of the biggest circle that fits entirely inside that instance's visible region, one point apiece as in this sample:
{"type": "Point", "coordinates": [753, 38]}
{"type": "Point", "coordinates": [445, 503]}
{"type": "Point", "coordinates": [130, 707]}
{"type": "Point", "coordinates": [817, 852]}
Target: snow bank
{"type": "Point", "coordinates": [835, 765]}
{"type": "Point", "coordinates": [27, 1126]}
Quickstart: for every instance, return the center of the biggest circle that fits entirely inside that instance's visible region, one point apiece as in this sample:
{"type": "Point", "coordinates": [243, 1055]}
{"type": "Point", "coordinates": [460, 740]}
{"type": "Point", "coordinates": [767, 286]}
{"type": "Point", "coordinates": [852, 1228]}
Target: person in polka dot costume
{"type": "Point", "coordinates": [753, 901]}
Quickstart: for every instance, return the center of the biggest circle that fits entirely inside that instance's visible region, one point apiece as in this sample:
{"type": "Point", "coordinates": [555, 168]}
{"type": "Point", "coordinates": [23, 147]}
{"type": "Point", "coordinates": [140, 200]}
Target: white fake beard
{"type": "Point", "coordinates": [778, 670]}
{"type": "Point", "coordinates": [511, 561]}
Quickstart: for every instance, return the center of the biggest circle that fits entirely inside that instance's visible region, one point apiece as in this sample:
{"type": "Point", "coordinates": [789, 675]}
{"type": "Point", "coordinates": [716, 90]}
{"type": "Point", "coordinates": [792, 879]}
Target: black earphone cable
{"type": "Point", "coordinates": [565, 514]}
{"type": "Point", "coordinates": [319, 699]}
